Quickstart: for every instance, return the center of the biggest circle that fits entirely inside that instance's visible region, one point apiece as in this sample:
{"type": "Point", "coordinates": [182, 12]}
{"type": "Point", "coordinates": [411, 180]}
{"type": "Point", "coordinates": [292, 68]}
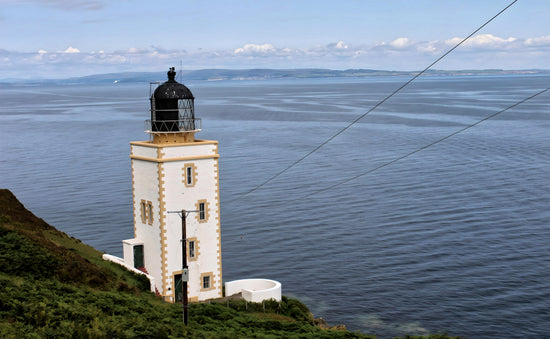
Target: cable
{"type": "Point", "coordinates": [370, 110]}
{"type": "Point", "coordinates": [427, 146]}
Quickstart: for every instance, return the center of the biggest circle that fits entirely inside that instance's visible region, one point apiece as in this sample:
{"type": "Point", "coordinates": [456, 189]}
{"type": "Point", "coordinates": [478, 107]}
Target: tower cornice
{"type": "Point", "coordinates": [190, 158]}
{"type": "Point", "coordinates": [148, 143]}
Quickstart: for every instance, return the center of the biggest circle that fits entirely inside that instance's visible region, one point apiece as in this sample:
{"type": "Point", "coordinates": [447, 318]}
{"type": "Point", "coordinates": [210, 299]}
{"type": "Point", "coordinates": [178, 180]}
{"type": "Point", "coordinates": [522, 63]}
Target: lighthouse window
{"type": "Point", "coordinates": [202, 210]}
{"type": "Point", "coordinates": [202, 215]}
{"type": "Point", "coordinates": [207, 282]}
{"type": "Point", "coordinates": [192, 249]}
{"type": "Point", "coordinates": [189, 175]}
{"type": "Point", "coordinates": [143, 211]}
{"type": "Point", "coordinates": [150, 212]}
{"type": "Point", "coordinates": [146, 212]}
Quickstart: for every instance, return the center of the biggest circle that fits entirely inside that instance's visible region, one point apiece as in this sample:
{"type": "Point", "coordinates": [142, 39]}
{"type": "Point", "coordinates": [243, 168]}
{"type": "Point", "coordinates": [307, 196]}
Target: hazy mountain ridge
{"type": "Point", "coordinates": [260, 74]}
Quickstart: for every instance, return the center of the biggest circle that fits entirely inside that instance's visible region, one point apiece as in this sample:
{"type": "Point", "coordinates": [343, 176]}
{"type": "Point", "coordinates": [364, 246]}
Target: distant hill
{"type": "Point", "coordinates": [259, 74]}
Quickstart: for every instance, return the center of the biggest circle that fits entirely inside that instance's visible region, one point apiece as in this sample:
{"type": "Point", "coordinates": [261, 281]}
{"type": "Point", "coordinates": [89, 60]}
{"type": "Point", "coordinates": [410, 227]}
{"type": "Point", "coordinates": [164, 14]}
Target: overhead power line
{"type": "Point", "coordinates": [373, 108]}
{"type": "Point", "coordinates": [426, 146]}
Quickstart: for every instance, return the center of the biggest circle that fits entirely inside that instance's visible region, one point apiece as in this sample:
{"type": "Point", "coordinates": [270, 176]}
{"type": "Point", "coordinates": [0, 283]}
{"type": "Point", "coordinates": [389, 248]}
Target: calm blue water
{"type": "Point", "coordinates": [454, 238]}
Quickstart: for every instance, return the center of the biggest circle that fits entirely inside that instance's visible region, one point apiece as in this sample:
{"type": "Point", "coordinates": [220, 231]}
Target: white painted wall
{"type": "Point", "coordinates": [177, 196]}
{"type": "Point", "coordinates": [128, 250]}
{"type": "Point", "coordinates": [144, 151]}
{"type": "Point", "coordinates": [255, 290]}
{"type": "Point", "coordinates": [198, 148]}
{"type": "Point", "coordinates": [146, 187]}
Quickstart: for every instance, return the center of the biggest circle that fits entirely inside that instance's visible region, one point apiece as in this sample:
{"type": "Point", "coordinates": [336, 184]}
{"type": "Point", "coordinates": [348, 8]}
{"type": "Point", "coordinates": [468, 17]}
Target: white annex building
{"type": "Point", "coordinates": [173, 171]}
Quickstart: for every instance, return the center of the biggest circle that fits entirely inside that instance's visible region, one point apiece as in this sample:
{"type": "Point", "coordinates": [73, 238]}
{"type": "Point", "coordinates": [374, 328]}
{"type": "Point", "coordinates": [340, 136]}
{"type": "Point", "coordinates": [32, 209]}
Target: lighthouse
{"type": "Point", "coordinates": [175, 171]}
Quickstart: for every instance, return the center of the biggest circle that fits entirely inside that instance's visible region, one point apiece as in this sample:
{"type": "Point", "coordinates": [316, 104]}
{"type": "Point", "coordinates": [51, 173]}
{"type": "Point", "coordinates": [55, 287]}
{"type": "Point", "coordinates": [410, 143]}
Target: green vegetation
{"type": "Point", "coordinates": [54, 286]}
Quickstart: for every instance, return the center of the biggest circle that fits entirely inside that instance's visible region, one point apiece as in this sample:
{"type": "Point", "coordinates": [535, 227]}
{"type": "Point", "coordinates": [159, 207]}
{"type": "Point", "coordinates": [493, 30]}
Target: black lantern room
{"type": "Point", "coordinates": [172, 107]}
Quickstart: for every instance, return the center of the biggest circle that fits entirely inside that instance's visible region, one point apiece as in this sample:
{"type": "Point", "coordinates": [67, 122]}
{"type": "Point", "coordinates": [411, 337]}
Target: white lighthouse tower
{"type": "Point", "coordinates": [174, 171]}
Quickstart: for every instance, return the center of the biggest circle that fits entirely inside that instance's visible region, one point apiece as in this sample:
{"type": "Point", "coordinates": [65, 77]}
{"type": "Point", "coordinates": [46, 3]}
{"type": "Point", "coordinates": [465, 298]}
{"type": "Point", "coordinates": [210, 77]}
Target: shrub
{"type": "Point", "coordinates": [20, 256]}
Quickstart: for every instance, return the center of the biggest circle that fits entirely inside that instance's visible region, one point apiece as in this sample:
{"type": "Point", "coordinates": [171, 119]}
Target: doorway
{"type": "Point", "coordinates": [138, 256]}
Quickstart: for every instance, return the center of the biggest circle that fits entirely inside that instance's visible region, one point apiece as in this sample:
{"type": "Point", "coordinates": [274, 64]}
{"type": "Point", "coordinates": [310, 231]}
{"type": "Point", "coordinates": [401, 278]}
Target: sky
{"type": "Point", "coordinates": [69, 38]}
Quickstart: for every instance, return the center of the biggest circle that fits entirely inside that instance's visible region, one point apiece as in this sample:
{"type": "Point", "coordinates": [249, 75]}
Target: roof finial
{"type": "Point", "coordinates": [172, 74]}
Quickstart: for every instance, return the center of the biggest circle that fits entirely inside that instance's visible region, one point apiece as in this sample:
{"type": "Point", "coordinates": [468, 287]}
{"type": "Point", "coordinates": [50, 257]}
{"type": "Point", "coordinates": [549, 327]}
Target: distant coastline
{"type": "Point", "coordinates": [261, 74]}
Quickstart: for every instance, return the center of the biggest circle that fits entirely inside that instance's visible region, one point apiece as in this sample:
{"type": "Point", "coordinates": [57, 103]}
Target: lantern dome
{"type": "Point", "coordinates": [172, 89]}
{"type": "Point", "coordinates": [172, 107]}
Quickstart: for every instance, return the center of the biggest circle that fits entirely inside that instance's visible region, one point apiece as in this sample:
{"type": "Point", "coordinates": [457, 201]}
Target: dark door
{"type": "Point", "coordinates": [138, 256]}
{"type": "Point", "coordinates": [178, 288]}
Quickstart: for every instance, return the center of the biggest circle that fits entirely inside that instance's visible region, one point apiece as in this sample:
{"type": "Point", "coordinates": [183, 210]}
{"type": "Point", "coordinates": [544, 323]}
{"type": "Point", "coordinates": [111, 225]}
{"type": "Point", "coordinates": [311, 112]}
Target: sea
{"type": "Point", "coordinates": [422, 217]}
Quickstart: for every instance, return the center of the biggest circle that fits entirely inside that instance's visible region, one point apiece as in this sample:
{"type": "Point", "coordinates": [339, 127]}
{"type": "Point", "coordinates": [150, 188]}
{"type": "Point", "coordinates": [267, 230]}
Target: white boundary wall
{"type": "Point", "coordinates": [121, 262]}
{"type": "Point", "coordinates": [255, 290]}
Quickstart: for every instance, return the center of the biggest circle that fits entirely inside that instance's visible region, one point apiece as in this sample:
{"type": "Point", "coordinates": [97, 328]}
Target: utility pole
{"type": "Point", "coordinates": [185, 269]}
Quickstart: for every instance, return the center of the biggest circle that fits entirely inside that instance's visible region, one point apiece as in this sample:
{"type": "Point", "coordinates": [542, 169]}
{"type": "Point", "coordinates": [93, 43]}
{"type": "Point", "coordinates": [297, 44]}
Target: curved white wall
{"type": "Point", "coordinates": [255, 290]}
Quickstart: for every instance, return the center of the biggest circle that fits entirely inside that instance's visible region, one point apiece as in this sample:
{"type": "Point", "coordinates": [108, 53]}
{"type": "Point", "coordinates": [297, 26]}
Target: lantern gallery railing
{"type": "Point", "coordinates": [173, 126]}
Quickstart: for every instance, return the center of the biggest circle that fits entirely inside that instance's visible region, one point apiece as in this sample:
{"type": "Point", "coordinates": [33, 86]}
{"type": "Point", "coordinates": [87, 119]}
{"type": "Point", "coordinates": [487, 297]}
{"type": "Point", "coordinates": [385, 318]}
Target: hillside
{"type": "Point", "coordinates": [259, 74]}
{"type": "Point", "coordinates": [53, 285]}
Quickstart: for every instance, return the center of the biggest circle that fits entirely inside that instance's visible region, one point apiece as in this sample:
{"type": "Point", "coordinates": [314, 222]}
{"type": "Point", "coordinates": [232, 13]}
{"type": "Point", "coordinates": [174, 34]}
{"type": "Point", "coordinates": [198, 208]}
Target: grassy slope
{"type": "Point", "coordinates": [53, 285]}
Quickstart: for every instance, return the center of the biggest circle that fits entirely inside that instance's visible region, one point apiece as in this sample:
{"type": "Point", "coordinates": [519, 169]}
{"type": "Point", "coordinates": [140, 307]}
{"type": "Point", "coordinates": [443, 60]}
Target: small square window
{"type": "Point", "coordinates": [206, 282]}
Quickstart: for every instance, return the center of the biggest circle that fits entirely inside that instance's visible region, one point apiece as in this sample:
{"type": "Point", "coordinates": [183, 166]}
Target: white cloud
{"type": "Point", "coordinates": [341, 45]}
{"type": "Point", "coordinates": [489, 39]}
{"type": "Point", "coordinates": [453, 41]}
{"type": "Point", "coordinates": [483, 41]}
{"type": "Point", "coordinates": [252, 49]}
{"type": "Point", "coordinates": [134, 50]}
{"type": "Point", "coordinates": [333, 48]}
{"type": "Point", "coordinates": [401, 43]}
{"type": "Point", "coordinates": [541, 41]}
{"type": "Point", "coordinates": [431, 47]}
{"type": "Point", "coordinates": [484, 51]}
{"type": "Point", "coordinates": [71, 50]}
